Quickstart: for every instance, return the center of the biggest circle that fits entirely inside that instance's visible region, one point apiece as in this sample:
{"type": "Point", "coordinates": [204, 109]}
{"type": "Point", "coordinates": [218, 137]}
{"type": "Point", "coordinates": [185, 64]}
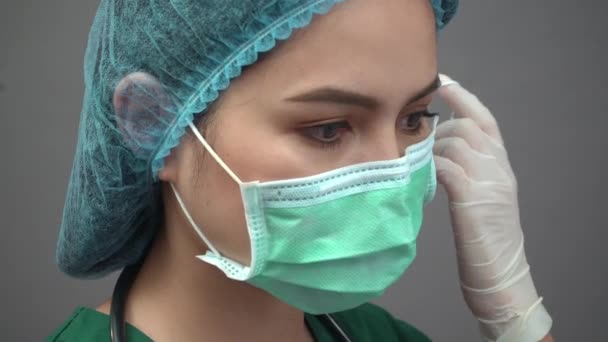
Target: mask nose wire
{"type": "Point", "coordinates": [181, 202]}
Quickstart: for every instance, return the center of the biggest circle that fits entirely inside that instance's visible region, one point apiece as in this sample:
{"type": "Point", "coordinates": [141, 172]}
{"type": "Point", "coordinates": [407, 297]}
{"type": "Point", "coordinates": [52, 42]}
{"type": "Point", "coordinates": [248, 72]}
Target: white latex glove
{"type": "Point", "coordinates": [473, 166]}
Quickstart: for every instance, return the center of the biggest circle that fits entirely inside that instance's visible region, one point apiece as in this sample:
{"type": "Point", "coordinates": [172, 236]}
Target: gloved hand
{"type": "Point", "coordinates": [473, 166]}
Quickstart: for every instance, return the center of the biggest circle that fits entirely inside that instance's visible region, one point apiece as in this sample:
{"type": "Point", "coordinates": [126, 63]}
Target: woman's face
{"type": "Point", "coordinates": [296, 114]}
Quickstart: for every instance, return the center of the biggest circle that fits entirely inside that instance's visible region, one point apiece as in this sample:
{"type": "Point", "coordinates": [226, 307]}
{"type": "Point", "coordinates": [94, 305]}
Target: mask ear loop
{"type": "Point", "coordinates": [191, 220]}
{"type": "Point", "coordinates": [179, 198]}
{"type": "Point", "coordinates": [214, 155]}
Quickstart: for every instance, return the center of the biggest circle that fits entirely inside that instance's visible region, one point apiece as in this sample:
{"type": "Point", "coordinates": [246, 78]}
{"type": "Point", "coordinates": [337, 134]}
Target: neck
{"type": "Point", "coordinates": [177, 297]}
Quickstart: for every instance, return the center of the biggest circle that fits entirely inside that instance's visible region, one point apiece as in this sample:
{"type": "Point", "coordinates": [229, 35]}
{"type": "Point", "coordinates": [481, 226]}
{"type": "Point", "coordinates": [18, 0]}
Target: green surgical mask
{"type": "Point", "coordinates": [336, 240]}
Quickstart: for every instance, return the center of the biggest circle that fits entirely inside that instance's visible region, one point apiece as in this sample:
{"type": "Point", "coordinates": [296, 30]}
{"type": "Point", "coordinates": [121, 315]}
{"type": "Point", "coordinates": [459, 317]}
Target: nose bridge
{"type": "Point", "coordinates": [382, 144]}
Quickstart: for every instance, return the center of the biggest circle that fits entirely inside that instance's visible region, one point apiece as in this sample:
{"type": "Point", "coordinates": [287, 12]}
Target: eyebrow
{"type": "Point", "coordinates": [346, 97]}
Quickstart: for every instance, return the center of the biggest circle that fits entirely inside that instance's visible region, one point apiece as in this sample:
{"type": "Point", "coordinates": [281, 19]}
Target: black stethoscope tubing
{"type": "Point", "coordinates": [119, 297]}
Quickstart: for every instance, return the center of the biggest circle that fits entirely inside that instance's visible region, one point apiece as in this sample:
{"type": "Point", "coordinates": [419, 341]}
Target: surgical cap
{"type": "Point", "coordinates": [178, 54]}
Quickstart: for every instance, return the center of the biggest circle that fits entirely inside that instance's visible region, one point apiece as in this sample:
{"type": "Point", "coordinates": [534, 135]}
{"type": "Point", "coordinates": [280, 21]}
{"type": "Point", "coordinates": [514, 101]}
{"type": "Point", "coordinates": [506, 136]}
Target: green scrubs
{"type": "Point", "coordinates": [364, 323]}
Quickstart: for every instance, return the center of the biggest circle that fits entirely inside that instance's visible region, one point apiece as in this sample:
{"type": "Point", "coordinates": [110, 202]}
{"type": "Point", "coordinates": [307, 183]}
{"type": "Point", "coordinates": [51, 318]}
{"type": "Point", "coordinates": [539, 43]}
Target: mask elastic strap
{"type": "Point", "coordinates": [179, 198]}
{"type": "Point", "coordinates": [214, 155]}
{"type": "Point", "coordinates": [191, 220]}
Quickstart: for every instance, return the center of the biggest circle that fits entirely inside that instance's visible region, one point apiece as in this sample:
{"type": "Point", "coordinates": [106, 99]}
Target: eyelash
{"type": "Point", "coordinates": [327, 144]}
{"type": "Point", "coordinates": [421, 114]}
{"type": "Point", "coordinates": [344, 124]}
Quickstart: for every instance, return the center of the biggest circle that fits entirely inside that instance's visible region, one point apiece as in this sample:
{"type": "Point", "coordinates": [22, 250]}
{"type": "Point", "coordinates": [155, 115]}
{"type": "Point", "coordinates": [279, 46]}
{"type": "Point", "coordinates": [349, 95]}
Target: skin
{"type": "Point", "coordinates": [385, 49]}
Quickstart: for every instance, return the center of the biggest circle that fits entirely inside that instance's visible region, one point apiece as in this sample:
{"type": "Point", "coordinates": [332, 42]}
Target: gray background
{"type": "Point", "coordinates": [539, 65]}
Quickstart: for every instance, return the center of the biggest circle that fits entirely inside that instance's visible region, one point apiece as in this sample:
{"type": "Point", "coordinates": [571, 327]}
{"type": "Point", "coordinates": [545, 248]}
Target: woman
{"type": "Point", "coordinates": [269, 199]}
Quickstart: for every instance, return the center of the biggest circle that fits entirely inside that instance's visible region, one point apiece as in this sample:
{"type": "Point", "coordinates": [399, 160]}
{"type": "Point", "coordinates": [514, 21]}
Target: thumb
{"type": "Point", "coordinates": [452, 176]}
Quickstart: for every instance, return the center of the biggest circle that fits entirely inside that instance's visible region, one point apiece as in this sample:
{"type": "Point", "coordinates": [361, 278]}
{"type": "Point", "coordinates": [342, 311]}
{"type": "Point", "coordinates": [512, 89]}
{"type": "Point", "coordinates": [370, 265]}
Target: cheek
{"type": "Point", "coordinates": [217, 208]}
{"type": "Point", "coordinates": [266, 151]}
{"type": "Point", "coordinates": [223, 217]}
{"type": "Point", "coordinates": [253, 151]}
{"type": "Point", "coordinates": [252, 154]}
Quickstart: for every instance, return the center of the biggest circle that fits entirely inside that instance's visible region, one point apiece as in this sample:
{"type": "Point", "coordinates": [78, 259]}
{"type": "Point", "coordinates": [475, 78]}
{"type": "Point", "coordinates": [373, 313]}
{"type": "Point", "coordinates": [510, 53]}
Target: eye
{"type": "Point", "coordinates": [413, 122]}
{"type": "Point", "coordinates": [327, 133]}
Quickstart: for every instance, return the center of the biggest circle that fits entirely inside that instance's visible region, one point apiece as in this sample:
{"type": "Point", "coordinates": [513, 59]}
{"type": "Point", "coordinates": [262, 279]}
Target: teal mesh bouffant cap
{"type": "Point", "coordinates": [179, 54]}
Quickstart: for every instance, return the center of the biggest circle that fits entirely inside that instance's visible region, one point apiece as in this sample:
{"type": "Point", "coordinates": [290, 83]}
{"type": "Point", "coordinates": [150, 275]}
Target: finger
{"type": "Point", "coordinates": [477, 166]}
{"type": "Point", "coordinates": [452, 177]}
{"type": "Point", "coordinates": [468, 130]}
{"type": "Point", "coordinates": [446, 80]}
{"type": "Point", "coordinates": [466, 104]}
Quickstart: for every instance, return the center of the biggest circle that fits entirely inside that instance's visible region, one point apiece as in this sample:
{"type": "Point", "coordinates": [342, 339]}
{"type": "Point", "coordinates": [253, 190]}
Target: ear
{"type": "Point", "coordinates": [143, 109]}
{"type": "Point", "coordinates": [169, 171]}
